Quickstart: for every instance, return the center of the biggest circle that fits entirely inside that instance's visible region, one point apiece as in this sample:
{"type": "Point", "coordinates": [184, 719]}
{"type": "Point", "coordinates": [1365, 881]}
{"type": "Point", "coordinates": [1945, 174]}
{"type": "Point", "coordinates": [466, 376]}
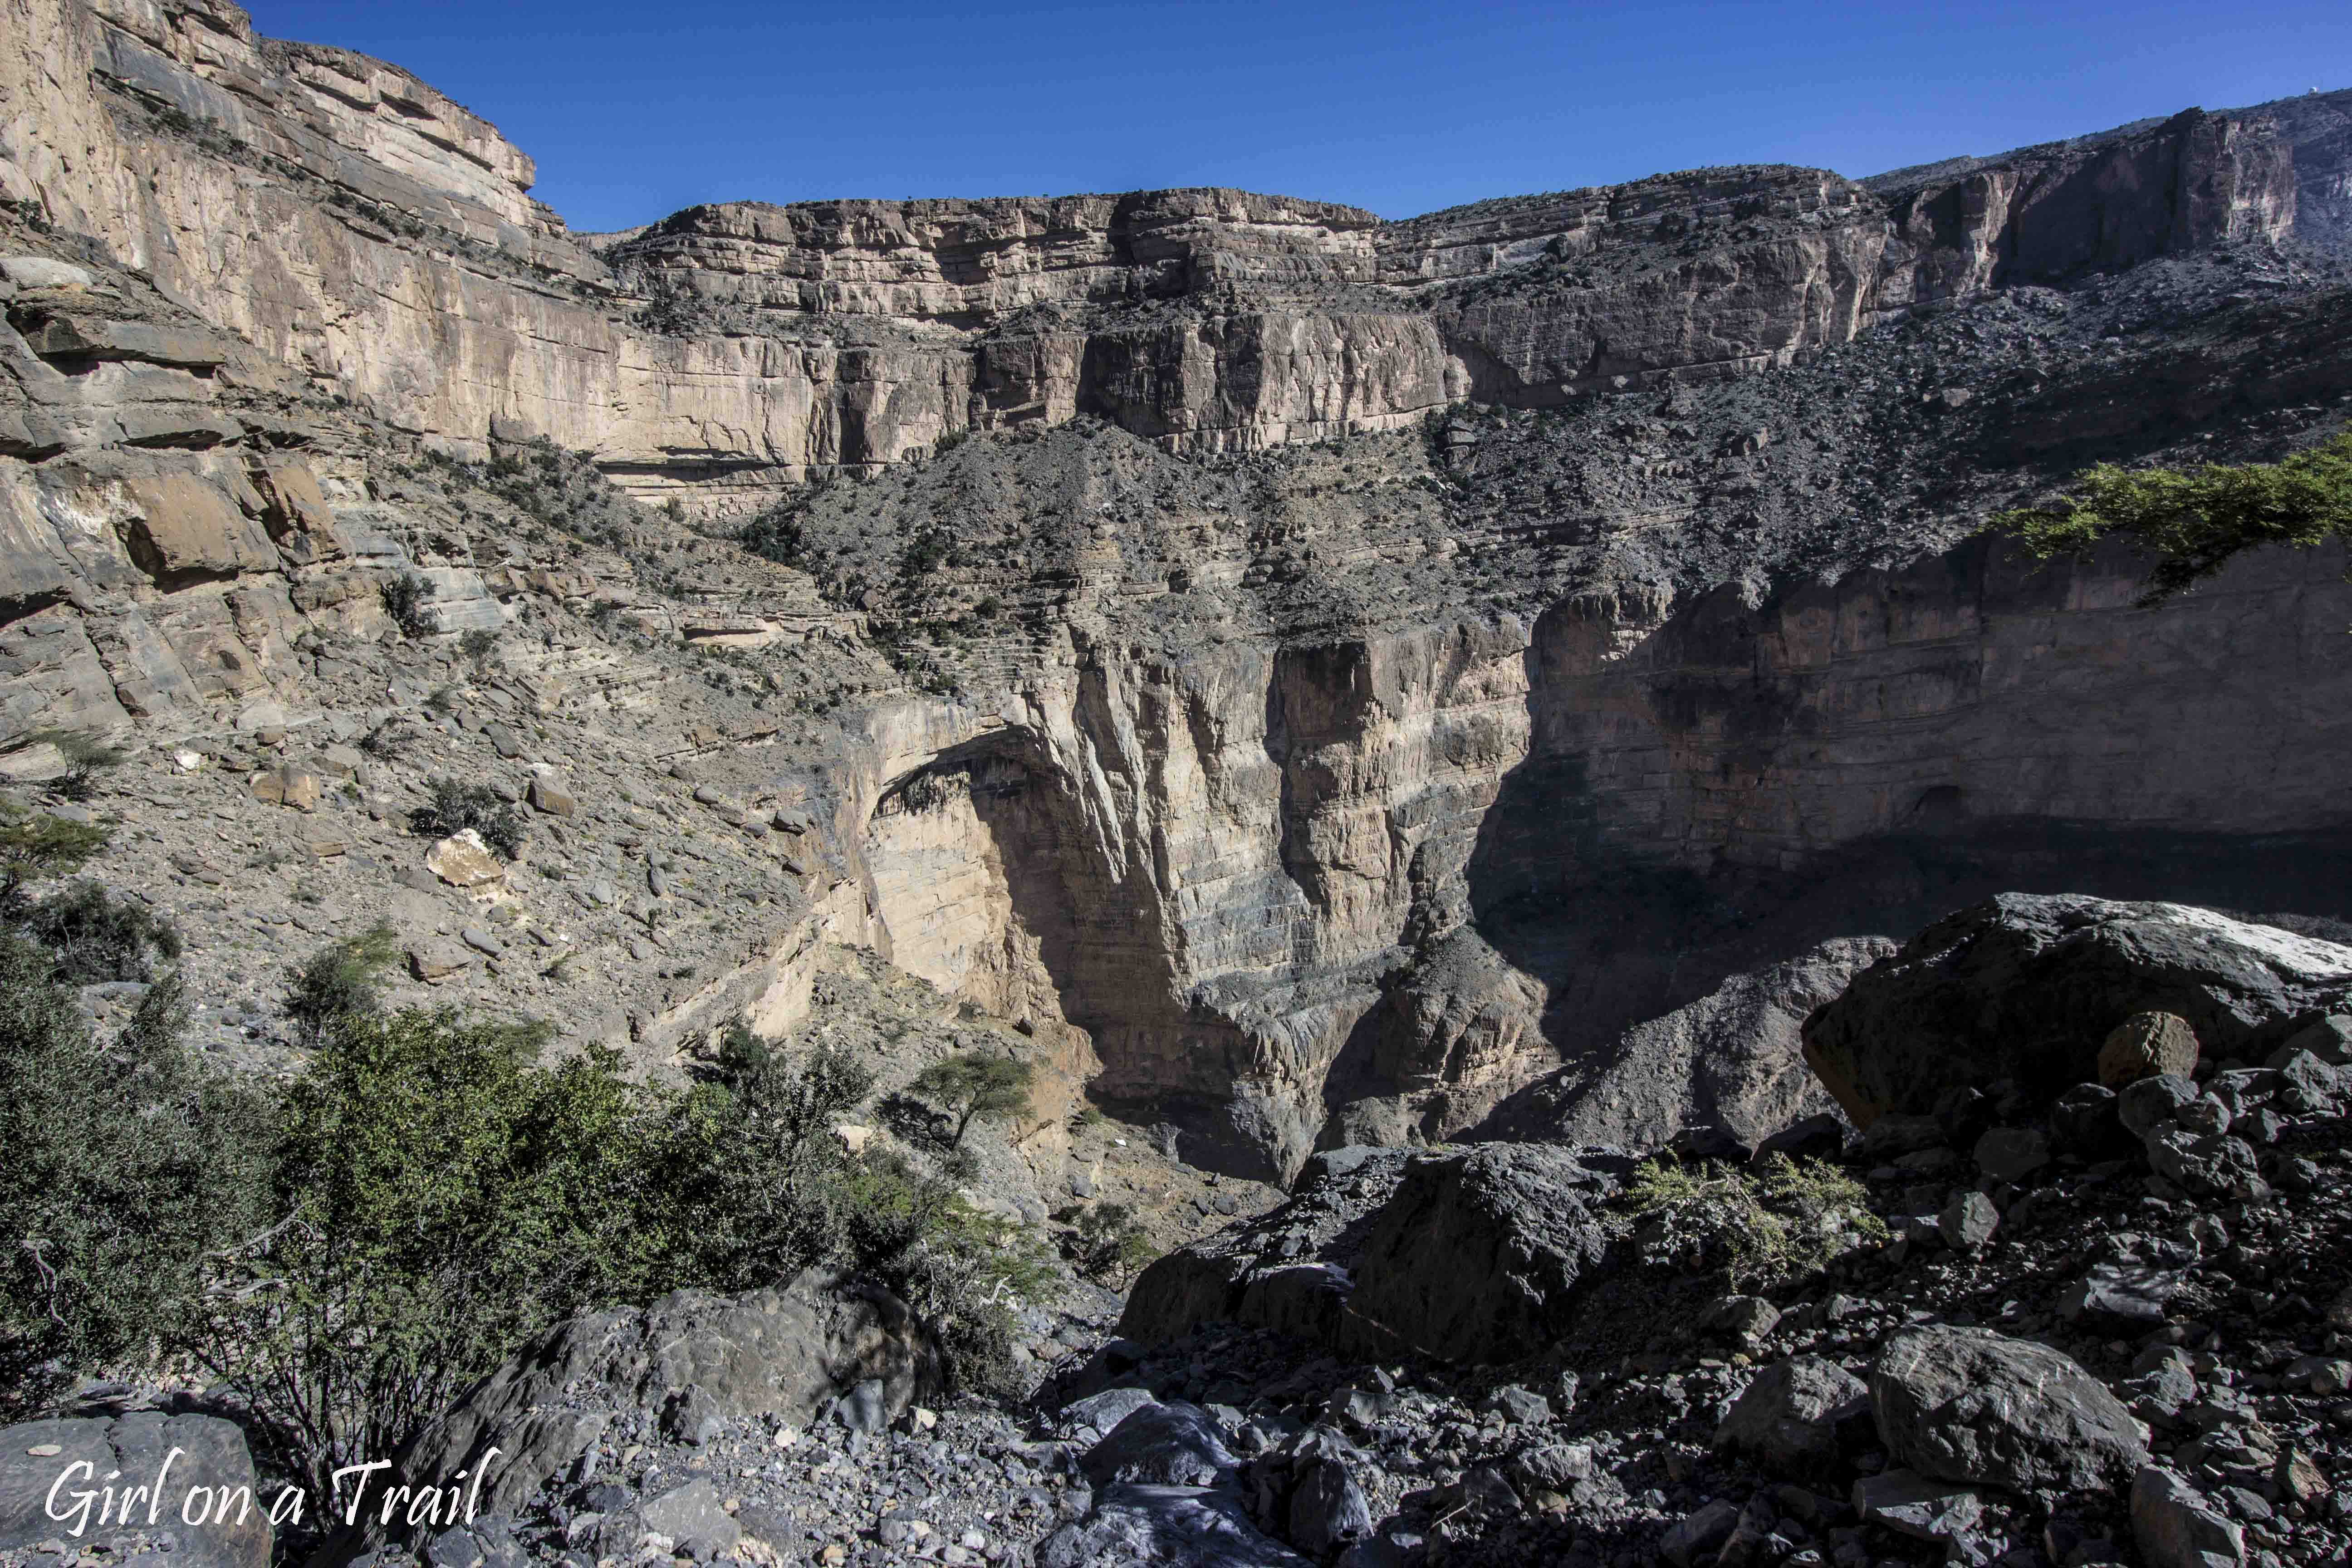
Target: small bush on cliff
{"type": "Point", "coordinates": [405, 595]}
{"type": "Point", "coordinates": [455, 806]}
{"type": "Point", "coordinates": [35, 848]}
{"type": "Point", "coordinates": [341, 980]}
{"type": "Point", "coordinates": [976, 1087]}
{"type": "Point", "coordinates": [86, 756]}
{"type": "Point", "coordinates": [1760, 1229]}
{"type": "Point", "coordinates": [2195, 522]}
{"type": "Point", "coordinates": [1109, 1241]}
{"type": "Point", "coordinates": [95, 936]}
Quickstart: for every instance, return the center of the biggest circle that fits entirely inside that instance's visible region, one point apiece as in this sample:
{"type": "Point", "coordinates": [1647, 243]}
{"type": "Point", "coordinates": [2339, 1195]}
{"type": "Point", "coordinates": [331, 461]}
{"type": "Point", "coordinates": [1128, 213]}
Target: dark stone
{"type": "Point", "coordinates": [2084, 1121]}
{"type": "Point", "coordinates": [1971, 1406]}
{"type": "Point", "coordinates": [1797, 1419]}
{"type": "Point", "coordinates": [1174, 1445]}
{"type": "Point", "coordinates": [2027, 986]}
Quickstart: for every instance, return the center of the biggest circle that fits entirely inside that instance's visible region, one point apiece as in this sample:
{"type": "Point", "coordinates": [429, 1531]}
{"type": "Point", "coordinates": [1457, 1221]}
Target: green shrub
{"type": "Point", "coordinates": [86, 756]}
{"type": "Point", "coordinates": [426, 1196]}
{"type": "Point", "coordinates": [1111, 1242]}
{"type": "Point", "coordinates": [976, 1087]}
{"type": "Point", "coordinates": [2195, 522]}
{"type": "Point", "coordinates": [457, 806]}
{"type": "Point", "coordinates": [126, 1164]}
{"type": "Point", "coordinates": [405, 595]}
{"type": "Point", "coordinates": [341, 980]}
{"type": "Point", "coordinates": [95, 936]}
{"type": "Point", "coordinates": [440, 1195]}
{"type": "Point", "coordinates": [1760, 1229]}
{"type": "Point", "coordinates": [477, 643]}
{"type": "Point", "coordinates": [36, 847]}
{"type": "Point", "coordinates": [759, 1187]}
{"type": "Point", "coordinates": [776, 535]}
{"type": "Point", "coordinates": [965, 1272]}
{"type": "Point", "coordinates": [751, 1155]}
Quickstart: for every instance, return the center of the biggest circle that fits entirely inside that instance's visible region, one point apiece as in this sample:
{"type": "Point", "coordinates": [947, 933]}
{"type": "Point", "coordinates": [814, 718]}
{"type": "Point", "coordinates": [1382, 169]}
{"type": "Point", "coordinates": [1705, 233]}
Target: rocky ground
{"type": "Point", "coordinates": [2111, 1326]}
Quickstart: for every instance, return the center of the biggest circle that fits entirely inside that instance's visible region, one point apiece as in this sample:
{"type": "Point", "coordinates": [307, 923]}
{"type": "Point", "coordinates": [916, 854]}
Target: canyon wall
{"type": "Point", "coordinates": [1327, 796]}
{"type": "Point", "coordinates": [1271, 887]}
{"type": "Point", "coordinates": [350, 220]}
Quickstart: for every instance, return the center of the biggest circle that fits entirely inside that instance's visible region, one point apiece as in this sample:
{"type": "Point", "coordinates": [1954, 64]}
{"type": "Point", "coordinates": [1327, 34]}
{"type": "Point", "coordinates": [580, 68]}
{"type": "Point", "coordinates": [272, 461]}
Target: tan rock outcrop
{"type": "Point", "coordinates": [463, 861]}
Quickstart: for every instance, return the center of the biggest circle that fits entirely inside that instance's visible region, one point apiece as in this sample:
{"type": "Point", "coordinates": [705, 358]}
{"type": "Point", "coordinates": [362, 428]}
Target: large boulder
{"type": "Point", "coordinates": [1970, 1405]}
{"type": "Point", "coordinates": [208, 1512]}
{"type": "Point", "coordinates": [1733, 1059]}
{"type": "Point", "coordinates": [2028, 987]}
{"type": "Point", "coordinates": [1161, 1445]}
{"type": "Point", "coordinates": [1796, 1418]}
{"type": "Point", "coordinates": [1477, 1255]}
{"type": "Point", "coordinates": [1467, 1255]}
{"type": "Point", "coordinates": [1290, 1269]}
{"type": "Point", "coordinates": [2174, 1527]}
{"type": "Point", "coordinates": [1183, 1527]}
{"type": "Point", "coordinates": [689, 1357]}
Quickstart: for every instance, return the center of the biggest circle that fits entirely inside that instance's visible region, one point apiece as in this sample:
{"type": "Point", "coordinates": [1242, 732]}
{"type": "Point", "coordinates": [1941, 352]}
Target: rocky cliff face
{"type": "Point", "coordinates": [2049, 215]}
{"type": "Point", "coordinates": [352, 222]}
{"type": "Point", "coordinates": [1323, 680]}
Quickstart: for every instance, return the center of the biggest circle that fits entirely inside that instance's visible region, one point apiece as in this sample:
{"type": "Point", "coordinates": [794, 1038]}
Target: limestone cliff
{"type": "Point", "coordinates": [352, 222]}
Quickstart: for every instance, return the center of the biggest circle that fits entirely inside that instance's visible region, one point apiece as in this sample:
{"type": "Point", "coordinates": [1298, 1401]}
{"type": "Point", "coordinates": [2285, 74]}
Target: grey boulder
{"type": "Point", "coordinates": [2027, 987]}
{"type": "Point", "coordinates": [1795, 1419]}
{"type": "Point", "coordinates": [1471, 1255]}
{"type": "Point", "coordinates": [2174, 1527]}
{"type": "Point", "coordinates": [789, 1353]}
{"type": "Point", "coordinates": [2153, 1104]}
{"type": "Point", "coordinates": [1477, 1255]}
{"type": "Point", "coordinates": [212, 1455]}
{"type": "Point", "coordinates": [1182, 1527]}
{"type": "Point", "coordinates": [1972, 1406]}
{"type": "Point", "coordinates": [1105, 1411]}
{"type": "Point", "coordinates": [693, 1514]}
{"type": "Point", "coordinates": [1161, 1445]}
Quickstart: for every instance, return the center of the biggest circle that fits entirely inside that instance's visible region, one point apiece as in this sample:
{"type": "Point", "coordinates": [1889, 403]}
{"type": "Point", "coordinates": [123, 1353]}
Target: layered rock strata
{"type": "Point", "coordinates": [353, 222]}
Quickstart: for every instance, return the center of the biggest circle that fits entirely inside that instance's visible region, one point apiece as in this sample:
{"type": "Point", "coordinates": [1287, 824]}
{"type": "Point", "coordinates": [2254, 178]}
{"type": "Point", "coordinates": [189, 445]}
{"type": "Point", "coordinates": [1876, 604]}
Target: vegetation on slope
{"type": "Point", "coordinates": [2196, 521]}
{"type": "Point", "coordinates": [434, 1189]}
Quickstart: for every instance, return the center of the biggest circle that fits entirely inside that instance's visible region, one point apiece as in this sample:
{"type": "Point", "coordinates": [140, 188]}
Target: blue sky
{"type": "Point", "coordinates": [633, 110]}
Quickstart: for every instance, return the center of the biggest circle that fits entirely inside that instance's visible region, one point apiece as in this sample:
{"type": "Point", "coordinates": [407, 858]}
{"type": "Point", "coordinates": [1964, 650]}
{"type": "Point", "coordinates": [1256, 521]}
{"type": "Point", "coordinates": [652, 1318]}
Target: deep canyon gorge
{"type": "Point", "coordinates": [1331, 680]}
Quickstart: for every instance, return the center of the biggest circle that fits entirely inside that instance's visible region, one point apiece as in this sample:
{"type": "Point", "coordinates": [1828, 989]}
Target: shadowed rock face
{"type": "Point", "coordinates": [2025, 988]}
{"type": "Point", "coordinates": [1470, 1254]}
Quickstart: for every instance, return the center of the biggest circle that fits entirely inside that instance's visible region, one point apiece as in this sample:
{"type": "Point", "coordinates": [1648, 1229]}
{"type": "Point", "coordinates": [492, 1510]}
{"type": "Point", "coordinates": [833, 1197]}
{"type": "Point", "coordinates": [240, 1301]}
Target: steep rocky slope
{"type": "Point", "coordinates": [2104, 1326]}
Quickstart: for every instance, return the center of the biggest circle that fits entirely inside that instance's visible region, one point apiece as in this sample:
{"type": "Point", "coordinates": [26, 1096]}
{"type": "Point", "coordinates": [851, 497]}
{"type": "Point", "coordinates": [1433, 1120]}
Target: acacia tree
{"type": "Point", "coordinates": [976, 1087]}
{"type": "Point", "coordinates": [2195, 521]}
